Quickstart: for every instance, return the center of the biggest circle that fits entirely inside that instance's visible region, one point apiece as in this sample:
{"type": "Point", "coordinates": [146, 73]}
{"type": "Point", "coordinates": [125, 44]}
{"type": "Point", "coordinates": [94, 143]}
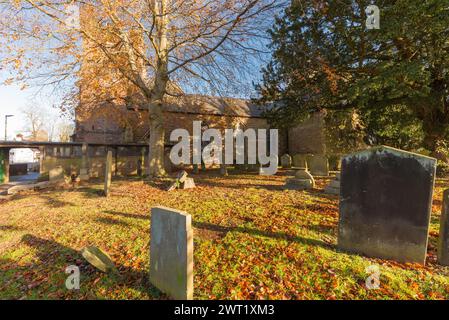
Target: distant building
{"type": "Point", "coordinates": [24, 155]}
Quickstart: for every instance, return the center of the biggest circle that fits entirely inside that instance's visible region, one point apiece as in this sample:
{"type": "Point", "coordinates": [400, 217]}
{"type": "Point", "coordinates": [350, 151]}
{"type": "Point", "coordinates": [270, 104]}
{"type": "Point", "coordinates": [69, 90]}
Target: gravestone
{"type": "Point", "coordinates": [299, 161]}
{"type": "Point", "coordinates": [286, 161]}
{"type": "Point", "coordinates": [443, 241]}
{"type": "Point", "coordinates": [334, 163]}
{"type": "Point", "coordinates": [171, 252]}
{"type": "Point", "coordinates": [99, 259]}
{"type": "Point", "coordinates": [84, 170]}
{"type": "Point", "coordinates": [385, 204]}
{"type": "Point", "coordinates": [189, 183]}
{"type": "Point", "coordinates": [303, 180]}
{"type": "Point", "coordinates": [108, 173]}
{"type": "Point", "coordinates": [224, 170]}
{"type": "Point", "coordinates": [84, 174]}
{"type": "Point", "coordinates": [318, 165]}
{"type": "Point", "coordinates": [334, 185]}
{"type": "Point", "coordinates": [182, 182]}
{"type": "Point", "coordinates": [56, 174]}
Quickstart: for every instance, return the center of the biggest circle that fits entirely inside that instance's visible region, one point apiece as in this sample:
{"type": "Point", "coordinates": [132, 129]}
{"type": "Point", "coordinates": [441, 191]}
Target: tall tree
{"type": "Point", "coordinates": [153, 44]}
{"type": "Point", "coordinates": [326, 58]}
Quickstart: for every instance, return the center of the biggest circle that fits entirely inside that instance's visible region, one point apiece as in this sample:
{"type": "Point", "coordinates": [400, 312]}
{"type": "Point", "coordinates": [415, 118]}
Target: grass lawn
{"type": "Point", "coordinates": [252, 240]}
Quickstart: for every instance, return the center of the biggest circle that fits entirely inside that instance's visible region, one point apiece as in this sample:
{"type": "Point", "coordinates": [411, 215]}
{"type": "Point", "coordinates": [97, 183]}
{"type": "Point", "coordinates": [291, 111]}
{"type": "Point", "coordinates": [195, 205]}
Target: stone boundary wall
{"type": "Point", "coordinates": [125, 159]}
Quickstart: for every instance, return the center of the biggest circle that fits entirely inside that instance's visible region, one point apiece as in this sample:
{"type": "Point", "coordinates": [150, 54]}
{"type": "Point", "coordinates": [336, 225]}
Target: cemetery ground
{"type": "Point", "coordinates": [252, 240]}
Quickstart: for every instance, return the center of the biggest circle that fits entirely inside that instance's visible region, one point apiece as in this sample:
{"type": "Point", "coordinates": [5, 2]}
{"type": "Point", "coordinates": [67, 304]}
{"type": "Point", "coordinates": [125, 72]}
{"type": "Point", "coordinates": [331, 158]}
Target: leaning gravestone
{"type": "Point", "coordinates": [182, 182]}
{"type": "Point", "coordinates": [108, 174]}
{"type": "Point", "coordinates": [385, 204]}
{"type": "Point", "coordinates": [171, 252]}
{"type": "Point", "coordinates": [99, 259]}
{"type": "Point", "coordinates": [443, 241]}
{"type": "Point", "coordinates": [318, 165]}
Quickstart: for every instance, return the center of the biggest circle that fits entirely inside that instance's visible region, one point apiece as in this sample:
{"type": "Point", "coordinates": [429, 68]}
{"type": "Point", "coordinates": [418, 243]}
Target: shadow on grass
{"type": "Point", "coordinates": [112, 222]}
{"type": "Point", "coordinates": [55, 203]}
{"type": "Point", "coordinates": [256, 232]}
{"type": "Point", "coordinates": [50, 253]}
{"type": "Point", "coordinates": [127, 215]}
{"type": "Point", "coordinates": [9, 228]}
{"type": "Point", "coordinates": [89, 192]}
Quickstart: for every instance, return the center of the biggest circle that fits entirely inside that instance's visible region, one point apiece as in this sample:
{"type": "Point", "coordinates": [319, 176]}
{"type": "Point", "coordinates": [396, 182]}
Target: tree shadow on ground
{"type": "Point", "coordinates": [128, 215]}
{"type": "Point", "coordinates": [112, 222]}
{"type": "Point", "coordinates": [227, 185]}
{"type": "Point", "coordinates": [256, 232]}
{"type": "Point", "coordinates": [90, 193]}
{"type": "Point", "coordinates": [330, 230]}
{"type": "Point", "coordinates": [50, 253]}
{"type": "Point", "coordinates": [9, 228]}
{"type": "Point", "coordinates": [55, 203]}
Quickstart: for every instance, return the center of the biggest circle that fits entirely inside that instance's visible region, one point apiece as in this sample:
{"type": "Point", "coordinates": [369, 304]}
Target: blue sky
{"type": "Point", "coordinates": [12, 100]}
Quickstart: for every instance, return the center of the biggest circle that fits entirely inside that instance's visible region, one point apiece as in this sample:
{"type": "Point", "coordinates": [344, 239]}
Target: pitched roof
{"type": "Point", "coordinates": [208, 105]}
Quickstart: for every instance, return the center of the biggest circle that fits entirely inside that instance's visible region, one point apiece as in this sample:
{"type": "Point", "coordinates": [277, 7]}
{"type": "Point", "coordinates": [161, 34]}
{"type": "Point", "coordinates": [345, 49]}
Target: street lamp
{"type": "Point", "coordinates": [6, 125]}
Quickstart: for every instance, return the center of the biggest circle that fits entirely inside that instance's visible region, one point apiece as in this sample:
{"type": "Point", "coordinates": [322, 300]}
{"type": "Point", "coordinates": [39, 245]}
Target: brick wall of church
{"type": "Point", "coordinates": [98, 129]}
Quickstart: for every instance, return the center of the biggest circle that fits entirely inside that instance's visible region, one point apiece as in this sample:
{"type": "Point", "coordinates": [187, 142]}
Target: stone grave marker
{"type": "Point", "coordinates": [108, 174]}
{"type": "Point", "coordinates": [299, 161]}
{"type": "Point", "coordinates": [318, 165]}
{"type": "Point", "coordinates": [334, 186]}
{"type": "Point", "coordinates": [286, 161]}
{"type": "Point", "coordinates": [171, 252]}
{"type": "Point", "coordinates": [303, 180]}
{"type": "Point", "coordinates": [443, 241]}
{"type": "Point", "coordinates": [385, 204]}
{"type": "Point", "coordinates": [84, 170]}
{"type": "Point", "coordinates": [182, 182]}
{"type": "Point", "coordinates": [99, 259]}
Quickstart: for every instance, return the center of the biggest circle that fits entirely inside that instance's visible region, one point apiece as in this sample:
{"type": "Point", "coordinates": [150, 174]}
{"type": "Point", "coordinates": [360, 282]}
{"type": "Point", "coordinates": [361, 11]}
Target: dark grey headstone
{"type": "Point", "coordinates": [385, 204]}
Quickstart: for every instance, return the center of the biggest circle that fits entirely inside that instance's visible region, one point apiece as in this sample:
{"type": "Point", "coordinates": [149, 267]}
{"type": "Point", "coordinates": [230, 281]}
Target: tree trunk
{"type": "Point", "coordinates": [157, 140]}
{"type": "Point", "coordinates": [155, 108]}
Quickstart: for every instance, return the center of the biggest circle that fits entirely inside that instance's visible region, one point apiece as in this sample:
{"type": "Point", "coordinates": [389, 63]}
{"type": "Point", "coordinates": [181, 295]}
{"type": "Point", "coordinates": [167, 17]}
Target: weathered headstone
{"type": "Point", "coordinates": [334, 186]}
{"type": "Point", "coordinates": [182, 182]}
{"type": "Point", "coordinates": [84, 170]}
{"type": "Point", "coordinates": [171, 252]}
{"type": "Point", "coordinates": [443, 241]}
{"type": "Point", "coordinates": [335, 163]}
{"type": "Point", "coordinates": [84, 174]}
{"type": "Point", "coordinates": [385, 204]}
{"type": "Point", "coordinates": [141, 163]}
{"type": "Point", "coordinates": [189, 183]}
{"type": "Point", "coordinates": [286, 161]}
{"type": "Point", "coordinates": [56, 174]}
{"type": "Point", "coordinates": [299, 161]}
{"type": "Point", "coordinates": [99, 259]}
{"type": "Point", "coordinates": [303, 180]}
{"type": "Point", "coordinates": [224, 170]}
{"type": "Point", "coordinates": [108, 173]}
{"type": "Point", "coordinates": [318, 165]}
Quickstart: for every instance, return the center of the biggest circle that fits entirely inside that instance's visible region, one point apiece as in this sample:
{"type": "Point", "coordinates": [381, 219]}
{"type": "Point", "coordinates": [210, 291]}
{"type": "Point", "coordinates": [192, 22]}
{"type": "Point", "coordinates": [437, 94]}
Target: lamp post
{"type": "Point", "coordinates": [6, 125]}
